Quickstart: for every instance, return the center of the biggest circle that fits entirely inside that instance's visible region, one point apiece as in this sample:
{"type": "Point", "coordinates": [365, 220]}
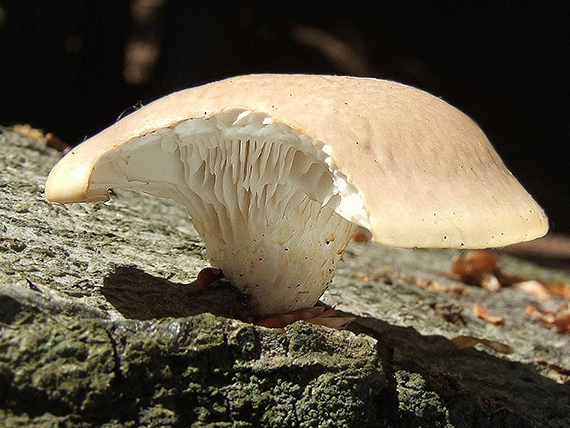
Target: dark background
{"type": "Point", "coordinates": [72, 67]}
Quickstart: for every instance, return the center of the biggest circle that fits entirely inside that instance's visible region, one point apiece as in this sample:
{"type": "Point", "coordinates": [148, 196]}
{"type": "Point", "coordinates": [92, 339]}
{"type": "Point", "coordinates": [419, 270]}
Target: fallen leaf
{"type": "Point", "coordinates": [383, 275]}
{"type": "Point", "coordinates": [432, 285]}
{"type": "Point", "coordinates": [535, 312]}
{"type": "Point", "coordinates": [482, 268]}
{"type": "Point", "coordinates": [562, 322]}
{"type": "Point", "coordinates": [57, 143]}
{"type": "Point", "coordinates": [330, 319]}
{"type": "Point", "coordinates": [560, 319]}
{"type": "Point", "coordinates": [474, 263]}
{"type": "Point", "coordinates": [482, 312]}
{"type": "Point", "coordinates": [490, 282]}
{"type": "Point", "coordinates": [361, 276]}
{"type": "Point", "coordinates": [283, 320]}
{"type": "Point", "coordinates": [207, 276]}
{"type": "Point", "coordinates": [362, 235]}
{"type": "Point", "coordinates": [462, 342]}
{"type": "Point", "coordinates": [558, 288]}
{"type": "Point", "coordinates": [315, 315]}
{"type": "Point", "coordinates": [477, 268]}
{"type": "Point", "coordinates": [28, 131]}
{"type": "Point", "coordinates": [533, 287]}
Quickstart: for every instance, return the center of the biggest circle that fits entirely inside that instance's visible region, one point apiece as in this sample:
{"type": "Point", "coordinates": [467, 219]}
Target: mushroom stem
{"type": "Point", "coordinates": [261, 196]}
{"type": "Point", "coordinates": [283, 275]}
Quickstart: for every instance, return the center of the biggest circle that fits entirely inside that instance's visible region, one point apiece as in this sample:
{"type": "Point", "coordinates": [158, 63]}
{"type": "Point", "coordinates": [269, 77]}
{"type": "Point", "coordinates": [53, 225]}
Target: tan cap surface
{"type": "Point", "coordinates": [427, 174]}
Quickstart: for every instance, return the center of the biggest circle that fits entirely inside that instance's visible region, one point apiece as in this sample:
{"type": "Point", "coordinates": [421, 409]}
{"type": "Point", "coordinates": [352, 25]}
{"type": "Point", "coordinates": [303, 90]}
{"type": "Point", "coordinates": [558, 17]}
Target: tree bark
{"type": "Point", "coordinates": [102, 323]}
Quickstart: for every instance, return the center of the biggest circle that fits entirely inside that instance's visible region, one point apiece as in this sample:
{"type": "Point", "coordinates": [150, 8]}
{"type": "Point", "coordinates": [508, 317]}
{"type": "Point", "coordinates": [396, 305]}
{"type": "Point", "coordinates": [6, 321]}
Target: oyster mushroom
{"type": "Point", "coordinates": [277, 171]}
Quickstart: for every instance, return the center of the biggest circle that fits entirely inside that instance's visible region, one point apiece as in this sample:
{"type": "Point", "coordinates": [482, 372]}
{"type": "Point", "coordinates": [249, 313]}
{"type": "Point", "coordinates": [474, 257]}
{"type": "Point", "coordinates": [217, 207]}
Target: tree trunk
{"type": "Point", "coordinates": [102, 323]}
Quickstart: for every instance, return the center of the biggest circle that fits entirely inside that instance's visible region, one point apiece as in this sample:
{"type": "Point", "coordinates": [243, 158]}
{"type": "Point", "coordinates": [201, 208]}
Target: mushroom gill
{"type": "Point", "coordinates": [273, 211]}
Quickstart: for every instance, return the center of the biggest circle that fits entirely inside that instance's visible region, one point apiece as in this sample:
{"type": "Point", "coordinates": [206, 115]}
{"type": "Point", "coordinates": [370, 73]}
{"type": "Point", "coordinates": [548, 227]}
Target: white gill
{"type": "Point", "coordinates": [273, 211]}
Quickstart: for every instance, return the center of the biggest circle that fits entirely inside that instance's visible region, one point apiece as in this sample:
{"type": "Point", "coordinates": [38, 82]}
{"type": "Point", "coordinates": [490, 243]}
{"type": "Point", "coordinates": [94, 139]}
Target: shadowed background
{"type": "Point", "coordinates": [72, 67]}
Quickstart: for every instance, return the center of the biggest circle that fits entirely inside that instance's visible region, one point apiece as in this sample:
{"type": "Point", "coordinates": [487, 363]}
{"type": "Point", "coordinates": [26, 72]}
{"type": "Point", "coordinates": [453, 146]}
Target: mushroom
{"type": "Point", "coordinates": [278, 171]}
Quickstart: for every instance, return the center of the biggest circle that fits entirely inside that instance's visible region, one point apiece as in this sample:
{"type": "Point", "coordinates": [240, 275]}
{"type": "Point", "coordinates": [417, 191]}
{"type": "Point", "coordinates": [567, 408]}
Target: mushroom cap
{"type": "Point", "coordinates": [425, 172]}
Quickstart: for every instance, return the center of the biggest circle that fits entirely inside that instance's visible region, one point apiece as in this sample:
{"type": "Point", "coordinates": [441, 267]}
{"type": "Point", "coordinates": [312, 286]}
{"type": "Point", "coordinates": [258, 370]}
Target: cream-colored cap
{"type": "Point", "coordinates": [426, 173]}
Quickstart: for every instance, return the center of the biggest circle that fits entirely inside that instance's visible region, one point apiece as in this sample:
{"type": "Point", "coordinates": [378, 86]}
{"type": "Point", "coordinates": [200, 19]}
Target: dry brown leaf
{"type": "Point", "coordinates": [533, 287]}
{"type": "Point", "coordinates": [474, 263]}
{"type": "Point", "coordinates": [482, 268]}
{"type": "Point", "coordinates": [558, 288]}
{"type": "Point", "coordinates": [482, 312]}
{"type": "Point", "coordinates": [562, 322]}
{"type": "Point", "coordinates": [207, 276]}
{"type": "Point", "coordinates": [280, 321]}
{"type": "Point", "coordinates": [462, 342]}
{"type": "Point", "coordinates": [383, 275]}
{"type": "Point", "coordinates": [477, 268]}
{"type": "Point", "coordinates": [57, 143]}
{"type": "Point", "coordinates": [361, 276]}
{"type": "Point", "coordinates": [330, 319]}
{"type": "Point", "coordinates": [315, 315]}
{"type": "Point", "coordinates": [28, 131]}
{"type": "Point", "coordinates": [541, 315]}
{"type": "Point", "coordinates": [49, 139]}
{"type": "Point", "coordinates": [457, 290]}
{"type": "Point", "coordinates": [362, 235]}
{"type": "Point", "coordinates": [560, 319]}
{"type": "Point", "coordinates": [489, 281]}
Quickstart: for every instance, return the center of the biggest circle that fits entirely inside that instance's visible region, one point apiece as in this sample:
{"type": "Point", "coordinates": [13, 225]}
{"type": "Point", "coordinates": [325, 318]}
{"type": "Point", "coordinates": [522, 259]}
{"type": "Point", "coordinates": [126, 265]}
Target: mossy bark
{"type": "Point", "coordinates": [102, 324]}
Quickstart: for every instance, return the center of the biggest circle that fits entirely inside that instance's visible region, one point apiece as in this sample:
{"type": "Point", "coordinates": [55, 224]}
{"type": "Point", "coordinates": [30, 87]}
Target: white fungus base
{"type": "Point", "coordinates": [273, 211]}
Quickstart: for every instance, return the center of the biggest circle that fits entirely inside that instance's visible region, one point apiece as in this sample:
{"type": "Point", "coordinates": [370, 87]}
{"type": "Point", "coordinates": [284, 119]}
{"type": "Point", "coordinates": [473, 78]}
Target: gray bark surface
{"type": "Point", "coordinates": [102, 324]}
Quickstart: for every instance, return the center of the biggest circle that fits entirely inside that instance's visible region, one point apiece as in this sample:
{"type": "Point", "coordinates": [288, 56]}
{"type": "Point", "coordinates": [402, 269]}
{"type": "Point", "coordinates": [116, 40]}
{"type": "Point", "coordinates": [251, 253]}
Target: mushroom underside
{"type": "Point", "coordinates": [274, 213]}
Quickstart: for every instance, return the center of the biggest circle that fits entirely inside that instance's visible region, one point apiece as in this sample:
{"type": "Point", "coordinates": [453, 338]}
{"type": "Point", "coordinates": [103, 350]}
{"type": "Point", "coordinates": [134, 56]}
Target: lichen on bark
{"type": "Point", "coordinates": [72, 369]}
